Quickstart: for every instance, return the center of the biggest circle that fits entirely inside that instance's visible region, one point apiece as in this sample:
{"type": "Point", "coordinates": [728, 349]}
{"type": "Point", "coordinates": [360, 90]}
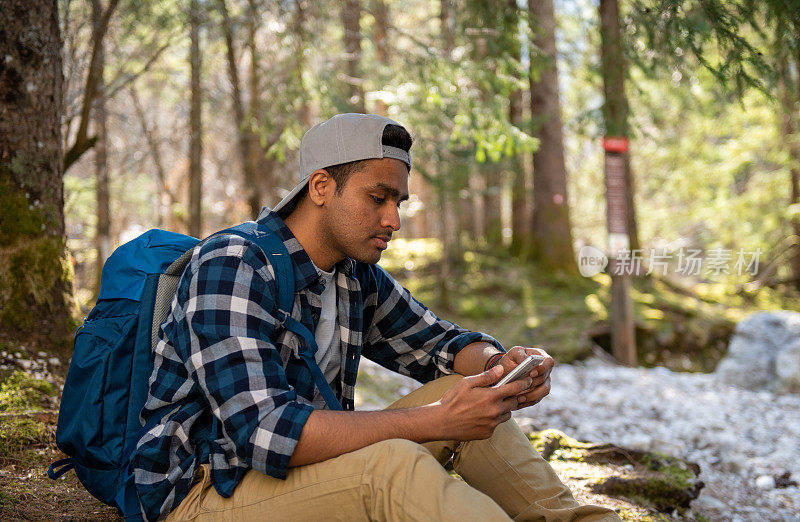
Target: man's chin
{"type": "Point", "coordinates": [368, 258]}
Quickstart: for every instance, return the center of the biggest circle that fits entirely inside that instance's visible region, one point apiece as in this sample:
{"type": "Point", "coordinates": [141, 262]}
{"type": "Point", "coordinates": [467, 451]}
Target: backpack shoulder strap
{"type": "Point", "coordinates": [269, 242]}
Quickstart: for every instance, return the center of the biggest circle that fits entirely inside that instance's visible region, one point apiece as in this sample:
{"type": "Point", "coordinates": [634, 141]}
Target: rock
{"type": "Point", "coordinates": [787, 368]}
{"type": "Point", "coordinates": [755, 349]}
{"type": "Point", "coordinates": [765, 482]}
{"type": "Point", "coordinates": [704, 502]}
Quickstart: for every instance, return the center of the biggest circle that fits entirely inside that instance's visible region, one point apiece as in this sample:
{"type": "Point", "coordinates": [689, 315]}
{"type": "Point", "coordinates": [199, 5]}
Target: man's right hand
{"type": "Point", "coordinates": [472, 409]}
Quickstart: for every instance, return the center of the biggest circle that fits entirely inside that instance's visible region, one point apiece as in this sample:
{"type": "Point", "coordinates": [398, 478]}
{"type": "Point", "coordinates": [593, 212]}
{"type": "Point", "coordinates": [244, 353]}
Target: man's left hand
{"type": "Point", "coordinates": [540, 374]}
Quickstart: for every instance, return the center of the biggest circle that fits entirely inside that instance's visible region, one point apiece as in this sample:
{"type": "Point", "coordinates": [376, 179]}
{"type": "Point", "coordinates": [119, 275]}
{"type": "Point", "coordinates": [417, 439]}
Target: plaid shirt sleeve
{"type": "Point", "coordinates": [224, 340]}
{"type": "Point", "coordinates": [405, 336]}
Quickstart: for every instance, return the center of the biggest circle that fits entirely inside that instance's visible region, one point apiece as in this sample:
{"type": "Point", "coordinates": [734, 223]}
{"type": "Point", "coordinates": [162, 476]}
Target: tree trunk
{"type": "Point", "coordinates": [244, 138]}
{"type": "Point", "coordinates": [351, 21]}
{"type": "Point", "coordinates": [304, 113]}
{"type": "Point", "coordinates": [83, 141]}
{"type": "Point", "coordinates": [195, 125]}
{"type": "Point", "coordinates": [794, 173]}
{"type": "Point", "coordinates": [380, 36]}
{"type": "Point", "coordinates": [520, 229]}
{"type": "Point", "coordinates": [448, 228]}
{"type": "Point", "coordinates": [36, 294]}
{"type": "Point", "coordinates": [102, 237]}
{"type": "Point", "coordinates": [551, 232]}
{"type": "Point", "coordinates": [615, 108]}
{"type": "Point", "coordinates": [263, 169]}
{"type": "Point", "coordinates": [489, 223]}
{"type": "Point", "coordinates": [789, 89]}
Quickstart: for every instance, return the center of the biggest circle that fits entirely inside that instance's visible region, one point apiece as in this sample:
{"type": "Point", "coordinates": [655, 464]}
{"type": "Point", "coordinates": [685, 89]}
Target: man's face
{"type": "Point", "coordinates": [360, 220]}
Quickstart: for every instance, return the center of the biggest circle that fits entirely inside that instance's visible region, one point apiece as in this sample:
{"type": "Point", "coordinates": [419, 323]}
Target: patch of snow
{"type": "Point", "coordinates": [734, 434]}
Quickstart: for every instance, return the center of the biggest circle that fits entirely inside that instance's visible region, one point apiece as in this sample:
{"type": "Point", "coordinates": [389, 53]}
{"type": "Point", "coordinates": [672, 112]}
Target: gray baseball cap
{"type": "Point", "coordinates": [341, 139]}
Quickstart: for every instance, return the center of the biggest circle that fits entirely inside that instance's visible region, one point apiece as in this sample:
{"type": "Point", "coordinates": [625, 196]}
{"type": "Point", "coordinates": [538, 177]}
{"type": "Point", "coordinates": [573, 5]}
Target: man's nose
{"type": "Point", "coordinates": [391, 218]}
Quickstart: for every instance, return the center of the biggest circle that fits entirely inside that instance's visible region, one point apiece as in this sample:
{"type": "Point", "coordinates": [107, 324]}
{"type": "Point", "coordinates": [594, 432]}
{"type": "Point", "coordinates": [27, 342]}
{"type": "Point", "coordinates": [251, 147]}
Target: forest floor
{"type": "Point", "coordinates": [27, 447]}
{"type": "Point", "coordinates": [684, 329]}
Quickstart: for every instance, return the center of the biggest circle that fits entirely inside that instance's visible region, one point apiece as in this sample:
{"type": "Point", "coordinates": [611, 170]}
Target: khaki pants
{"type": "Point", "coordinates": [504, 477]}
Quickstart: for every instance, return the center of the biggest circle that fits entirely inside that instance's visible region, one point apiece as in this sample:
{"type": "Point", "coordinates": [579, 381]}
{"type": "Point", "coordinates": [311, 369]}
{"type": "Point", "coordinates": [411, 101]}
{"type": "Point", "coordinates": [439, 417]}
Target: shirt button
{"type": "Point", "coordinates": [315, 316]}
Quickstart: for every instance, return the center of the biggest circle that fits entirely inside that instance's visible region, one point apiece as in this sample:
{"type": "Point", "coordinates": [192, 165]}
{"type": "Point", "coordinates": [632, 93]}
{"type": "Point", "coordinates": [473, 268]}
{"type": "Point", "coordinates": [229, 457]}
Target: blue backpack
{"type": "Point", "coordinates": [107, 382]}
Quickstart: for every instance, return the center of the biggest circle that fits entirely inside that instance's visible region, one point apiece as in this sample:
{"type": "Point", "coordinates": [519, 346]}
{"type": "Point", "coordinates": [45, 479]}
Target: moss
{"type": "Point", "coordinates": [627, 514]}
{"type": "Point", "coordinates": [19, 217]}
{"type": "Point", "coordinates": [668, 484]}
{"type": "Point", "coordinates": [35, 297]}
{"type": "Point", "coordinates": [34, 270]}
{"type": "Point", "coordinates": [555, 445]}
{"type": "Point", "coordinates": [658, 491]}
{"type": "Point", "coordinates": [19, 432]}
{"type": "Point", "coordinates": [21, 392]}
{"type": "Point", "coordinates": [677, 472]}
{"type": "Point", "coordinates": [648, 479]}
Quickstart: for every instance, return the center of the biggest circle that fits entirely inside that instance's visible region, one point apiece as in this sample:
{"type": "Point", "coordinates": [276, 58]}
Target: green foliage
{"type": "Point", "coordinates": [719, 34]}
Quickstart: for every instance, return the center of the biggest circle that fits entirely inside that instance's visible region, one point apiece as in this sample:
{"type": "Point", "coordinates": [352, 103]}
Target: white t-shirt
{"type": "Point", "coordinates": [328, 354]}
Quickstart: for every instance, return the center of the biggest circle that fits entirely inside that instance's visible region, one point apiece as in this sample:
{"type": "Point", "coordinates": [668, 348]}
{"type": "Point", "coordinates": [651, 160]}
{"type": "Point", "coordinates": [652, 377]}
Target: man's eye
{"type": "Point", "coordinates": [379, 200]}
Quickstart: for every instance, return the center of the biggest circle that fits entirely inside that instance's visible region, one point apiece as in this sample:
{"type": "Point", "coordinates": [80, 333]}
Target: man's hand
{"type": "Point", "coordinates": [540, 375]}
{"type": "Point", "coordinates": [472, 409]}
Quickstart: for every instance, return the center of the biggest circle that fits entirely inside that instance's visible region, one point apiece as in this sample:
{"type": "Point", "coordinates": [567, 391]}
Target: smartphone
{"type": "Point", "coordinates": [521, 370]}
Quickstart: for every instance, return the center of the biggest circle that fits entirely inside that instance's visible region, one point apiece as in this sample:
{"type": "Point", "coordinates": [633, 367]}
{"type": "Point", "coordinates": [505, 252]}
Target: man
{"type": "Point", "coordinates": [244, 433]}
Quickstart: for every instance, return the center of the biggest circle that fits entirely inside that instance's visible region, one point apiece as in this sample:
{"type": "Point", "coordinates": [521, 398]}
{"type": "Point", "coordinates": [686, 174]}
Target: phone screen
{"type": "Point", "coordinates": [521, 370]}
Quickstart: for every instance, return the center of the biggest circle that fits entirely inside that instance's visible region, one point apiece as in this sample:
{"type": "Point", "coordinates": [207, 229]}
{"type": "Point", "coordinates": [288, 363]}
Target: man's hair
{"type": "Point", "coordinates": [393, 136]}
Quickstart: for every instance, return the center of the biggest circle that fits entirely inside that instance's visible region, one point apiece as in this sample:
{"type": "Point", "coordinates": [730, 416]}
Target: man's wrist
{"type": "Point", "coordinates": [493, 360]}
{"type": "Point", "coordinates": [429, 422]}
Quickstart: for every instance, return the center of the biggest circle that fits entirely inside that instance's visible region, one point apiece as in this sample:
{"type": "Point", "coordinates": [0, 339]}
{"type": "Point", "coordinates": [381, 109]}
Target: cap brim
{"type": "Point", "coordinates": [287, 204]}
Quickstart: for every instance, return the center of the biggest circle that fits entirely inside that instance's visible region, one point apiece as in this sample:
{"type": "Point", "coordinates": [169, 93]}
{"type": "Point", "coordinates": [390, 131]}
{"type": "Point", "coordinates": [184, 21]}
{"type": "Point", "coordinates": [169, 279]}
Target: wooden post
{"type": "Point", "coordinates": [623, 336]}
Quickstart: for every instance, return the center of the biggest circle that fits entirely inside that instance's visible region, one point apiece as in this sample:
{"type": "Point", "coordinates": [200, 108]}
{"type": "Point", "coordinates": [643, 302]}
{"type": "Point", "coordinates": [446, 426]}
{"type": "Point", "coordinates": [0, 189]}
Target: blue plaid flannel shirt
{"type": "Point", "coordinates": [227, 385]}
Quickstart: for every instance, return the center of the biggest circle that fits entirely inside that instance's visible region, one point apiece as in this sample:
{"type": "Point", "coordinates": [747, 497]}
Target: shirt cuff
{"type": "Point", "coordinates": [286, 430]}
{"type": "Point", "coordinates": [461, 342]}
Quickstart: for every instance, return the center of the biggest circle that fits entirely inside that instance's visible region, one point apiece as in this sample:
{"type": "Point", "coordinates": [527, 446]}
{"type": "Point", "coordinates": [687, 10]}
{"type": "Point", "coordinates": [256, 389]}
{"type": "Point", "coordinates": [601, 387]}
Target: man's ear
{"type": "Point", "coordinates": [321, 187]}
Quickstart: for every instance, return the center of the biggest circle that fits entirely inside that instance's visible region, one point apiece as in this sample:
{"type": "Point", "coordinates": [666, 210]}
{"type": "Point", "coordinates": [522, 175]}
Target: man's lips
{"type": "Point", "coordinates": [382, 241]}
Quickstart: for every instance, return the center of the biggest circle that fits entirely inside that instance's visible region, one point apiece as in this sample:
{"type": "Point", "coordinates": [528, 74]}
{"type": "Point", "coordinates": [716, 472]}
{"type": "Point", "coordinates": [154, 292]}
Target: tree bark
{"type": "Point", "coordinates": [789, 90]}
{"type": "Point", "coordinates": [551, 231]}
{"type": "Point", "coordinates": [82, 141]}
{"type": "Point", "coordinates": [351, 21]}
{"type": "Point", "coordinates": [304, 113]}
{"type": "Point", "coordinates": [448, 229]}
{"type": "Point", "coordinates": [380, 11]}
{"type": "Point", "coordinates": [195, 125]}
{"type": "Point", "coordinates": [36, 294]}
{"type": "Point", "coordinates": [615, 108]}
{"type": "Point", "coordinates": [520, 229]}
{"type": "Point", "coordinates": [489, 223]}
{"type": "Point", "coordinates": [102, 237]}
{"type": "Point", "coordinates": [262, 167]}
{"type": "Point", "coordinates": [243, 133]}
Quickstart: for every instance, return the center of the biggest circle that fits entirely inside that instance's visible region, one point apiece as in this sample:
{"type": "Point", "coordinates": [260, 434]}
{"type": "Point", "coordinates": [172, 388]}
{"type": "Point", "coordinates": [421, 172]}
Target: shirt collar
{"type": "Point", "coordinates": [305, 273]}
